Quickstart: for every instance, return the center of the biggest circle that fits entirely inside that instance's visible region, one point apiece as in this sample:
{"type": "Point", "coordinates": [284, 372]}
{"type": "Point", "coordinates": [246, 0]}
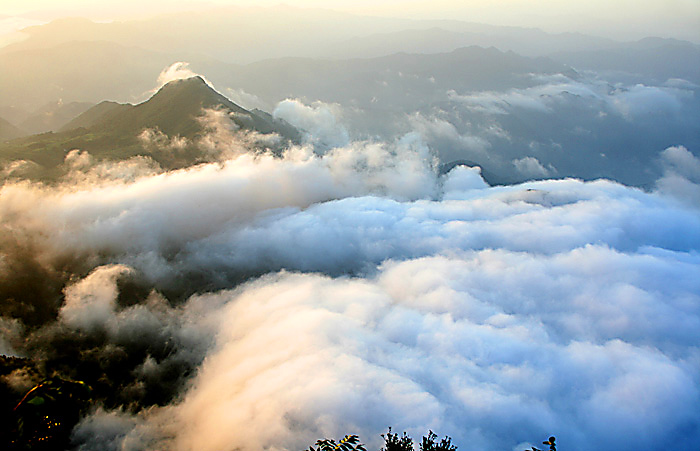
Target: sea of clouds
{"type": "Point", "coordinates": [317, 294]}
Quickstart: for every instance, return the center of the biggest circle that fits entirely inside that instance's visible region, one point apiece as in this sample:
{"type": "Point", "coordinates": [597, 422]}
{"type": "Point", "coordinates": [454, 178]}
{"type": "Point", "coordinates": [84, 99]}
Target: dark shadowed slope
{"type": "Point", "coordinates": [9, 131]}
{"type": "Point", "coordinates": [95, 115]}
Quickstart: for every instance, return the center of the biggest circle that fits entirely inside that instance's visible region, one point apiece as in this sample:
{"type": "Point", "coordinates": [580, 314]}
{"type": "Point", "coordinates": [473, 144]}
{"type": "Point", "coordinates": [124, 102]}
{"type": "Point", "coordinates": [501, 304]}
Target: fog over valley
{"type": "Point", "coordinates": [252, 228]}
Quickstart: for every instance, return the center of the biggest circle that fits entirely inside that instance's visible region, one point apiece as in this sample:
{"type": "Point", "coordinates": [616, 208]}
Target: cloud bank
{"type": "Point", "coordinates": [262, 302]}
{"type": "Point", "coordinates": [318, 120]}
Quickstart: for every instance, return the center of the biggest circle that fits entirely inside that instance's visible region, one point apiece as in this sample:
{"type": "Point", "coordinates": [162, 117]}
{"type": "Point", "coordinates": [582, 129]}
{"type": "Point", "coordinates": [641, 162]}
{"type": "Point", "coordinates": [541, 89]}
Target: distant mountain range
{"type": "Point", "coordinates": [114, 131]}
{"type": "Point", "coordinates": [406, 79]}
{"type": "Point", "coordinates": [104, 70]}
{"type": "Point", "coordinates": [444, 36]}
{"type": "Point", "coordinates": [520, 102]}
{"type": "Point", "coordinates": [80, 61]}
{"type": "Point", "coordinates": [247, 34]}
{"type": "Point", "coordinates": [243, 35]}
{"type": "Point", "coordinates": [53, 116]}
{"type": "Point", "coordinates": [648, 60]}
{"type": "Point", "coordinates": [50, 117]}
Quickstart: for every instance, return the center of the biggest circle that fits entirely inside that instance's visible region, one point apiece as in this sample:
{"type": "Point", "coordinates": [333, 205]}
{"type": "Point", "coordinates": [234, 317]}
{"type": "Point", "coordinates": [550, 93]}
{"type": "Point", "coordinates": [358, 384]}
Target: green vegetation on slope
{"type": "Point", "coordinates": [111, 131]}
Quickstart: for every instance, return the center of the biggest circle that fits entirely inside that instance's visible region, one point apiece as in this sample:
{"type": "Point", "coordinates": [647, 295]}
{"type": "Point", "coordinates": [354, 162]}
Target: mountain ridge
{"type": "Point", "coordinates": [174, 108]}
{"type": "Point", "coordinates": [111, 130]}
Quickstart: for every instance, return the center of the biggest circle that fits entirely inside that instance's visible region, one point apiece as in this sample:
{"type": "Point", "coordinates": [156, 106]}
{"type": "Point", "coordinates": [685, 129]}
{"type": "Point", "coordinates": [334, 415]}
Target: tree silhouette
{"type": "Point", "coordinates": [348, 443]}
{"type": "Point", "coordinates": [392, 442]}
{"type": "Point", "coordinates": [550, 442]}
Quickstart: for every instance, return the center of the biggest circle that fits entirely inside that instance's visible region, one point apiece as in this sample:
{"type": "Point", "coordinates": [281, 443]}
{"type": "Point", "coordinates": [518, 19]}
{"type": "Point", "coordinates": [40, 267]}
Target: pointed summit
{"type": "Point", "coordinates": [191, 92]}
{"type": "Point", "coordinates": [174, 110]}
{"type": "Point", "coordinates": [114, 131]}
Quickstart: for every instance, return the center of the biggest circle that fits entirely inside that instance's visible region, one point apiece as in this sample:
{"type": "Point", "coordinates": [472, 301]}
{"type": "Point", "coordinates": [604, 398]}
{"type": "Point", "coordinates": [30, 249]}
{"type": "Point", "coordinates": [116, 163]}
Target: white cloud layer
{"type": "Point", "coordinates": [681, 177]}
{"type": "Point", "coordinates": [630, 102]}
{"type": "Point", "coordinates": [488, 346]}
{"type": "Point", "coordinates": [393, 297]}
{"type": "Point", "coordinates": [443, 133]}
{"type": "Point", "coordinates": [91, 302]}
{"type": "Point", "coordinates": [531, 167]}
{"type": "Point", "coordinates": [319, 121]}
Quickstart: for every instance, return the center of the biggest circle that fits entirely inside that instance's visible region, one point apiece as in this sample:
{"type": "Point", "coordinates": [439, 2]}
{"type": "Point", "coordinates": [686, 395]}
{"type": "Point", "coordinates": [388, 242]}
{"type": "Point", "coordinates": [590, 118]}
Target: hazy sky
{"type": "Point", "coordinates": [620, 18]}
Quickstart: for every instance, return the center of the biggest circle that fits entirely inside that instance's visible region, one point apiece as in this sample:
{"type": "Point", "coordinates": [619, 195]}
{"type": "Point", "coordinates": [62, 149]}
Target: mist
{"type": "Point", "coordinates": [261, 301]}
{"type": "Point", "coordinates": [632, 20]}
{"type": "Point", "coordinates": [251, 228]}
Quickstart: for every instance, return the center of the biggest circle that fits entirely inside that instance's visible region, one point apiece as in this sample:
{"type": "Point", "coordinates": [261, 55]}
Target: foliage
{"type": "Point", "coordinates": [45, 417]}
{"type": "Point", "coordinates": [428, 443]}
{"type": "Point", "coordinates": [393, 442]}
{"type": "Point", "coordinates": [550, 442]}
{"type": "Point", "coordinates": [348, 443]}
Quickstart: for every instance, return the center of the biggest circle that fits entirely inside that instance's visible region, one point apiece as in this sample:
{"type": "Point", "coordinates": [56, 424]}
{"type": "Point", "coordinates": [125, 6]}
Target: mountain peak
{"type": "Point", "coordinates": [195, 80]}
{"type": "Point", "coordinates": [195, 83]}
{"type": "Point", "coordinates": [189, 95]}
{"type": "Point", "coordinates": [174, 110]}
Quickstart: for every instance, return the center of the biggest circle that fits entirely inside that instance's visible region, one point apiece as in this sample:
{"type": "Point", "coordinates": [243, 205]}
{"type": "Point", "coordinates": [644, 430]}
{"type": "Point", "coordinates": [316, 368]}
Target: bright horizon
{"type": "Point", "coordinates": [625, 20]}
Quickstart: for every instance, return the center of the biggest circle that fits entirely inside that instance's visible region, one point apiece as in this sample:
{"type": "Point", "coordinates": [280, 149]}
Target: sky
{"type": "Point", "coordinates": [626, 19]}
